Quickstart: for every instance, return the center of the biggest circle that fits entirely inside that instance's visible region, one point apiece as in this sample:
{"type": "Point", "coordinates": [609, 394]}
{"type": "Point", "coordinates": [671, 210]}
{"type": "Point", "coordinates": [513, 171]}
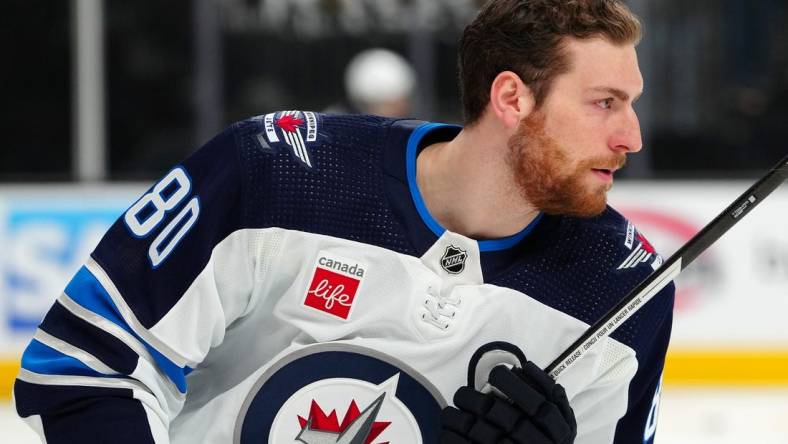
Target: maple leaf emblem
{"type": "Point", "coordinates": [289, 123]}
{"type": "Point", "coordinates": [357, 427]}
{"type": "Point", "coordinates": [646, 244]}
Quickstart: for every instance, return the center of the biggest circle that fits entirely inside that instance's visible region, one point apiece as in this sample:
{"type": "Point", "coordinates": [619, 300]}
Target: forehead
{"type": "Point", "coordinates": [598, 63]}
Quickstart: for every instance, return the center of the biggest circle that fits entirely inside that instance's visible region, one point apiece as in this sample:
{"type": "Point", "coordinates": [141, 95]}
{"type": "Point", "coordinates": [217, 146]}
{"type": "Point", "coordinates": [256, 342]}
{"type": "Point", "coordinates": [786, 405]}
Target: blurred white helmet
{"type": "Point", "coordinates": [378, 75]}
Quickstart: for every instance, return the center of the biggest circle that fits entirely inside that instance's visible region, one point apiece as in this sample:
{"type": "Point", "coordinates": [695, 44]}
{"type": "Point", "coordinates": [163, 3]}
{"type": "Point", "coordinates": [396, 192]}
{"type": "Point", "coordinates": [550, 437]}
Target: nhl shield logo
{"type": "Point", "coordinates": [453, 260]}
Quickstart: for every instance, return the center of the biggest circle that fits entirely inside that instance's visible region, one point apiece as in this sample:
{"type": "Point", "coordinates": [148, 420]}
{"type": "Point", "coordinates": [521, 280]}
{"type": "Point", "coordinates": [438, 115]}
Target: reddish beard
{"type": "Point", "coordinates": [546, 177]}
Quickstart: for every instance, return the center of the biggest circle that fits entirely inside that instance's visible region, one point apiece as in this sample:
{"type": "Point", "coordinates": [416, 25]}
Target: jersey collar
{"type": "Point", "coordinates": [416, 142]}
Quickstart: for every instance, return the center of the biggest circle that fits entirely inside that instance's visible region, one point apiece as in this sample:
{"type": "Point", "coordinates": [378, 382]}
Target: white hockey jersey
{"type": "Point", "coordinates": [286, 283]}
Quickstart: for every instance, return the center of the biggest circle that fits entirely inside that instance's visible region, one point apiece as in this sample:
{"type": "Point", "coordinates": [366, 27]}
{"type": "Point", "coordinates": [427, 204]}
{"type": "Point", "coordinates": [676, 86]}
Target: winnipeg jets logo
{"type": "Point", "coordinates": [453, 260]}
{"type": "Point", "coordinates": [642, 253]}
{"type": "Point", "coordinates": [381, 419]}
{"type": "Point", "coordinates": [334, 393]}
{"type": "Point", "coordinates": [356, 428]}
{"type": "Point", "coordinates": [291, 126]}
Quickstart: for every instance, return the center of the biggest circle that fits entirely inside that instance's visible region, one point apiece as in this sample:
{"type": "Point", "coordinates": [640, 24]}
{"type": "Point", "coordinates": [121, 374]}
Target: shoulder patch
{"type": "Point", "coordinates": [630, 238]}
{"type": "Point", "coordinates": [295, 131]}
{"type": "Point", "coordinates": [641, 250]}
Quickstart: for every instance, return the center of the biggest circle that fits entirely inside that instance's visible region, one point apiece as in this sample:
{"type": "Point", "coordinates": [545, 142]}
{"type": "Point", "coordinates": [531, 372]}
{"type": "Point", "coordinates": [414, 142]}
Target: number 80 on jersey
{"type": "Point", "coordinates": [151, 210]}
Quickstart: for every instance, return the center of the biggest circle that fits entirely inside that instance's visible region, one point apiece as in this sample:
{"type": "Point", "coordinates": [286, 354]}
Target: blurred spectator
{"type": "Point", "coordinates": [378, 81]}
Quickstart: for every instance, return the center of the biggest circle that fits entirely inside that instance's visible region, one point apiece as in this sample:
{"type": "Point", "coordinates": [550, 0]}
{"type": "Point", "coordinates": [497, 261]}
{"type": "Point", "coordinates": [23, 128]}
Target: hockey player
{"type": "Point", "coordinates": [356, 279]}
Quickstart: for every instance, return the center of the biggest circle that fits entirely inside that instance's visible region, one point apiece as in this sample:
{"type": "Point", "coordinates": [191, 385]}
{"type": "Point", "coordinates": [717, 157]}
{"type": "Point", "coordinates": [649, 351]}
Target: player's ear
{"type": "Point", "coordinates": [511, 100]}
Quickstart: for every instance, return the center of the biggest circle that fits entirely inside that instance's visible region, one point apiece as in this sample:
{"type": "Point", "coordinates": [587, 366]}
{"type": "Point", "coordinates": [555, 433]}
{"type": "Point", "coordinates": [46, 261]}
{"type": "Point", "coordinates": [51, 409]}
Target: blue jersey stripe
{"type": "Point", "coordinates": [64, 325]}
{"type": "Point", "coordinates": [412, 151]}
{"type": "Point", "coordinates": [88, 292]}
{"type": "Point", "coordinates": [43, 359]}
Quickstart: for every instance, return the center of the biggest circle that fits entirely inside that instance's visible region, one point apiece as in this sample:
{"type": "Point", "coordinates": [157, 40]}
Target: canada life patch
{"type": "Point", "coordinates": [296, 130]}
{"type": "Point", "coordinates": [334, 285]}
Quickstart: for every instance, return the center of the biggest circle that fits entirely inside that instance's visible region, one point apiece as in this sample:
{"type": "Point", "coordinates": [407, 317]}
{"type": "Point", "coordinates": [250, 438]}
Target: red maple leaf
{"type": "Point", "coordinates": [646, 244]}
{"type": "Point", "coordinates": [289, 123]}
{"type": "Point", "coordinates": [330, 422]}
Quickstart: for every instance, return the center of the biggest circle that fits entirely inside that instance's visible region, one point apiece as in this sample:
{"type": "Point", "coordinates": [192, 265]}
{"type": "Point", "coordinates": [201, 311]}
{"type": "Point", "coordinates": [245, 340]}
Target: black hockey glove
{"type": "Point", "coordinates": [536, 411]}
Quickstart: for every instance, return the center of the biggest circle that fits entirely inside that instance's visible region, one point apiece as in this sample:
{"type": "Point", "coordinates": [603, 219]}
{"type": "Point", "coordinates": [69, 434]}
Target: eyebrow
{"type": "Point", "coordinates": [619, 94]}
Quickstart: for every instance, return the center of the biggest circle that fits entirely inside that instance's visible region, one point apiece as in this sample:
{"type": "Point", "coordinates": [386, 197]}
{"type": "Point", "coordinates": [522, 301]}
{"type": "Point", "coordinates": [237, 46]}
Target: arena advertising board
{"type": "Point", "coordinates": [735, 295]}
{"type": "Point", "coordinates": [730, 307]}
{"type": "Point", "coordinates": [46, 234]}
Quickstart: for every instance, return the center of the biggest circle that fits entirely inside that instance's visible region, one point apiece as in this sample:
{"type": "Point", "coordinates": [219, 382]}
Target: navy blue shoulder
{"type": "Point", "coordinates": [305, 138]}
{"type": "Point", "coordinates": [630, 260]}
{"type": "Point", "coordinates": [629, 249]}
{"type": "Point", "coordinates": [585, 266]}
{"type": "Point", "coordinates": [295, 170]}
{"type": "Point", "coordinates": [319, 173]}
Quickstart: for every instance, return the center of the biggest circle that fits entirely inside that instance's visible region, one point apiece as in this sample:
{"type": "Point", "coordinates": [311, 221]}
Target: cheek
{"type": "Point", "coordinates": [570, 122]}
{"type": "Point", "coordinates": [581, 135]}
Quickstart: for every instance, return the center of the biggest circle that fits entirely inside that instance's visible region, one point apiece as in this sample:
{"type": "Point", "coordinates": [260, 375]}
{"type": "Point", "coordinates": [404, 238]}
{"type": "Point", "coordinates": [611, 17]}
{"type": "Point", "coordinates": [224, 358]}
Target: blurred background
{"type": "Point", "coordinates": [102, 97]}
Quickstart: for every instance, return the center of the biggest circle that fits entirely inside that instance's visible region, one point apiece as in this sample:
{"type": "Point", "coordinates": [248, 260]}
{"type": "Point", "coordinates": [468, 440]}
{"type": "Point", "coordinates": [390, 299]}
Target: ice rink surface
{"type": "Point", "coordinates": [687, 416]}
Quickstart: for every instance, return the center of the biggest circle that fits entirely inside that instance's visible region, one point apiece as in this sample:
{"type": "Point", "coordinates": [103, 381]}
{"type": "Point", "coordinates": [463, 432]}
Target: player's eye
{"type": "Point", "coordinates": [606, 103]}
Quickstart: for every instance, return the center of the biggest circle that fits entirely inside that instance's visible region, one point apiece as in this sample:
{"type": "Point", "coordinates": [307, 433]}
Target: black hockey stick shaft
{"type": "Point", "coordinates": [657, 280]}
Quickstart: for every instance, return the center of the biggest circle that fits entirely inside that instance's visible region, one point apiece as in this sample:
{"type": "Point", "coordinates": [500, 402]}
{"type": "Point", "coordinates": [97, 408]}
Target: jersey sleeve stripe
{"type": "Point", "coordinates": [43, 359]}
{"type": "Point", "coordinates": [106, 355]}
{"type": "Point", "coordinates": [102, 324]}
{"type": "Point", "coordinates": [131, 323]}
{"type": "Point", "coordinates": [103, 352]}
{"type": "Point", "coordinates": [87, 381]}
{"type": "Point", "coordinates": [86, 290]}
{"type": "Point", "coordinates": [69, 350]}
{"type": "Point", "coordinates": [129, 350]}
{"type": "Point", "coordinates": [63, 325]}
{"type": "Point", "coordinates": [176, 374]}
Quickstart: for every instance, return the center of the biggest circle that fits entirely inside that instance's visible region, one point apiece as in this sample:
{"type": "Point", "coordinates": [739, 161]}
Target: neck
{"type": "Point", "coordinates": [468, 187]}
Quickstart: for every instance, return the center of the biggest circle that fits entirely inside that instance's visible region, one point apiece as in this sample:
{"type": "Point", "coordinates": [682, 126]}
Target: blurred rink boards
{"type": "Point", "coordinates": [726, 379]}
{"type": "Point", "coordinates": [46, 233]}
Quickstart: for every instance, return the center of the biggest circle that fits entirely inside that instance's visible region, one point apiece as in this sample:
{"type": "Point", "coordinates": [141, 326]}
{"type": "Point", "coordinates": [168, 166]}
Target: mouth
{"type": "Point", "coordinates": [604, 173]}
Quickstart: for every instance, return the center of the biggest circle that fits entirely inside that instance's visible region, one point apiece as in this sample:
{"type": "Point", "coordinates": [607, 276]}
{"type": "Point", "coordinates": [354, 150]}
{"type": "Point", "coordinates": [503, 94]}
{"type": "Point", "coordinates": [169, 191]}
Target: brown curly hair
{"type": "Point", "coordinates": [525, 37]}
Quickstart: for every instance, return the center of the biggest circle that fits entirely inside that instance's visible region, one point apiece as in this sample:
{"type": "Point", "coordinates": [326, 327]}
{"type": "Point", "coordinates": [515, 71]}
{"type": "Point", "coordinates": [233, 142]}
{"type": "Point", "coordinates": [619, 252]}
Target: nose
{"type": "Point", "coordinates": [626, 136]}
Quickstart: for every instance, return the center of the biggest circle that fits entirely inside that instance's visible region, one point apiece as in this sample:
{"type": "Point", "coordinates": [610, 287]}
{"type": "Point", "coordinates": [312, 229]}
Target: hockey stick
{"type": "Point", "coordinates": [657, 280]}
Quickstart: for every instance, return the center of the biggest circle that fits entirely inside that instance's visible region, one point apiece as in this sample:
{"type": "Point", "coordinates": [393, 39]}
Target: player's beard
{"type": "Point", "coordinates": [546, 178]}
